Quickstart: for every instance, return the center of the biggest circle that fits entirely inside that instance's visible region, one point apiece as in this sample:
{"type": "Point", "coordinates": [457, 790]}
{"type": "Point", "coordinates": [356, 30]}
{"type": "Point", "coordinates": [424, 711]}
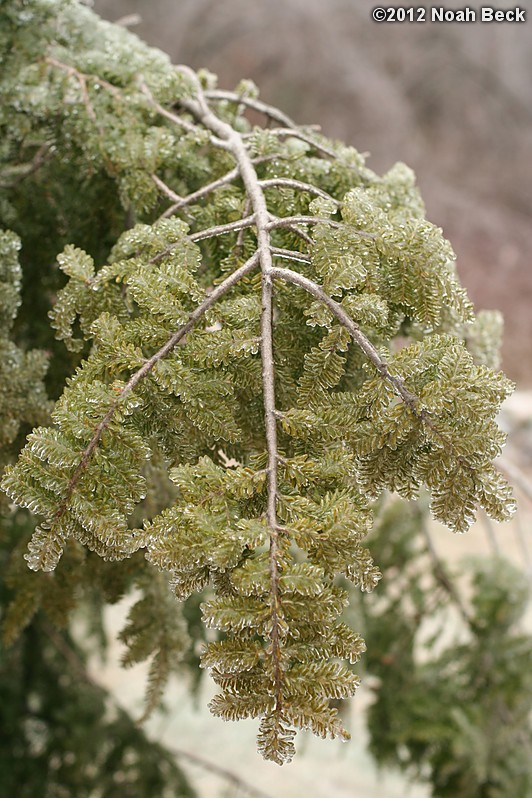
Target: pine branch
{"type": "Point", "coordinates": [410, 399]}
{"type": "Point", "coordinates": [261, 220]}
{"type": "Point", "coordinates": [195, 316]}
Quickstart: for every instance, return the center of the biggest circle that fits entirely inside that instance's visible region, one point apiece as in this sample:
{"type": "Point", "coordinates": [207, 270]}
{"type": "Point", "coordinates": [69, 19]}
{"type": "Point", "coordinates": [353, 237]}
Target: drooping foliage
{"type": "Point", "coordinates": [228, 422]}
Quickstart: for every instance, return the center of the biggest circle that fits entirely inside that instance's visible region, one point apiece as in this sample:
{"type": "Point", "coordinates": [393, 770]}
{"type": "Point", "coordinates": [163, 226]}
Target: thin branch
{"type": "Point", "coordinates": [218, 770]}
{"type": "Point", "coordinates": [210, 232]}
{"type": "Point", "coordinates": [297, 231]}
{"type": "Point", "coordinates": [288, 132]}
{"type": "Point", "coordinates": [177, 120]}
{"type": "Point", "coordinates": [289, 221]}
{"type": "Point", "coordinates": [298, 184]}
{"type": "Point", "coordinates": [166, 189]}
{"type": "Point", "coordinates": [82, 78]}
{"type": "Point", "coordinates": [290, 254]}
{"type": "Point", "coordinates": [410, 399]}
{"type": "Point", "coordinates": [221, 229]}
{"type": "Point", "coordinates": [261, 219]}
{"type": "Point", "coordinates": [210, 187]}
{"type": "Point", "coordinates": [443, 578]}
{"type": "Point", "coordinates": [257, 105]}
{"type": "Point", "coordinates": [22, 171]}
{"type": "Point", "coordinates": [200, 193]}
{"type": "Point", "coordinates": [145, 369]}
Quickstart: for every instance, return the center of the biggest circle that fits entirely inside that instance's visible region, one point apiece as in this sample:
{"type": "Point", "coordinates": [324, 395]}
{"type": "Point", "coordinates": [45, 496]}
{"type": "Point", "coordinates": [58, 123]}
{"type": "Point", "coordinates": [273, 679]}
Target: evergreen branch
{"type": "Point", "coordinates": [358, 336]}
{"type": "Point", "coordinates": [297, 184]}
{"type": "Point", "coordinates": [261, 219]}
{"type": "Point", "coordinates": [145, 369]}
{"type": "Point", "coordinates": [257, 105]}
{"type": "Point", "coordinates": [410, 399]}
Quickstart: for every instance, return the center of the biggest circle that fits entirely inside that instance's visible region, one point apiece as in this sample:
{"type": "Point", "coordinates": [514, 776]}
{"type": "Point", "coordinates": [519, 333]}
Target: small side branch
{"type": "Point", "coordinates": [257, 105]}
{"type": "Point", "coordinates": [166, 190]}
{"type": "Point", "coordinates": [288, 132]}
{"type": "Point", "coordinates": [358, 336]}
{"type": "Point", "coordinates": [221, 229]}
{"type": "Point", "coordinates": [285, 182]}
{"type": "Point", "coordinates": [291, 221]}
{"type": "Point", "coordinates": [182, 202]}
{"type": "Point", "coordinates": [229, 177]}
{"type": "Point", "coordinates": [177, 120]}
{"type": "Point", "coordinates": [22, 171]}
{"type": "Point", "coordinates": [145, 369]}
{"type": "Point", "coordinates": [290, 254]}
